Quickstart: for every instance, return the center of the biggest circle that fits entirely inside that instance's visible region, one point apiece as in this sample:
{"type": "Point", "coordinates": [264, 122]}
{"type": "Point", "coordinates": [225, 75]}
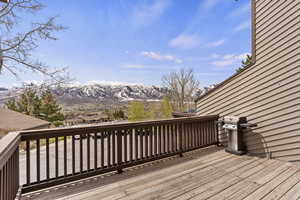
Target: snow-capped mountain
{"type": "Point", "coordinates": [96, 92]}
{"type": "Point", "coordinates": [100, 92]}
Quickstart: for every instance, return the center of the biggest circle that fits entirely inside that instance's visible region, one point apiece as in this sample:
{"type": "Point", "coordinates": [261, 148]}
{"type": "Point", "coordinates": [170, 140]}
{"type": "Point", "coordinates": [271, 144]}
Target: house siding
{"type": "Point", "coordinates": [268, 92]}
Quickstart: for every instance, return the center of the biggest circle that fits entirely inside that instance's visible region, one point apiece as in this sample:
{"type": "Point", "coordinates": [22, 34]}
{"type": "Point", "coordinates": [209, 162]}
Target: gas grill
{"type": "Point", "coordinates": [234, 128]}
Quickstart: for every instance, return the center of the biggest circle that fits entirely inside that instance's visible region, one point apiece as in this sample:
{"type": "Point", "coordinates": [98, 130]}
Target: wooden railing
{"type": "Point", "coordinates": [9, 166]}
{"type": "Point", "coordinates": [69, 154]}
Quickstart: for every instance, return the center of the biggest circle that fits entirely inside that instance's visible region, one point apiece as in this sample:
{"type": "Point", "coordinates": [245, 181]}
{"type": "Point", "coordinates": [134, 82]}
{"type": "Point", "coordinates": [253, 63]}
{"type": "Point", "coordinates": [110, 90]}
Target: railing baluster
{"type": "Point", "coordinates": [184, 136]}
{"type": "Point", "coordinates": [194, 134]}
{"type": "Point", "coordinates": [88, 151]}
{"type": "Point", "coordinates": [213, 131]}
{"type": "Point", "coordinates": [65, 156]}
{"type": "Point", "coordinates": [199, 134]}
{"type": "Point", "coordinates": [56, 157]}
{"type": "Point", "coordinates": [136, 145]}
{"type": "Point", "coordinates": [1, 184]}
{"type": "Point", "coordinates": [164, 139]}
{"type": "Point", "coordinates": [131, 144]}
{"type": "Point", "coordinates": [6, 182]}
{"type": "Point", "coordinates": [151, 140]}
{"type": "Point", "coordinates": [189, 135]}
{"type": "Point", "coordinates": [113, 147]}
{"type": "Point", "coordinates": [210, 133]}
{"type": "Point", "coordinates": [168, 138]}
{"type": "Point", "coordinates": [38, 164]}
{"type": "Point", "coordinates": [73, 155]}
{"type": "Point", "coordinates": [146, 132]}
{"type": "Point", "coordinates": [141, 135]}
{"type": "Point", "coordinates": [155, 140]}
{"type": "Point", "coordinates": [204, 133]}
{"type": "Point", "coordinates": [176, 137]}
{"type": "Point", "coordinates": [108, 148]}
{"type": "Point", "coordinates": [217, 133]}
{"type": "Point", "coordinates": [95, 151]}
{"type": "Point", "coordinates": [125, 132]}
{"type": "Point", "coordinates": [119, 147]}
{"type": "Point", "coordinates": [47, 159]}
{"type": "Point", "coordinates": [102, 148]}
{"type": "Point", "coordinates": [173, 137]}
{"type": "Point", "coordinates": [207, 133]}
{"type": "Point", "coordinates": [81, 153]}
{"type": "Point", "coordinates": [28, 162]}
{"type": "Point", "coordinates": [159, 140]}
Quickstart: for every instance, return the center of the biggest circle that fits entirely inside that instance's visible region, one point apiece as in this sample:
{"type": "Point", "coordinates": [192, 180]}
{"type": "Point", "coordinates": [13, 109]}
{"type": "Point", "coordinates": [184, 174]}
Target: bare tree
{"type": "Point", "coordinates": [182, 86]}
{"type": "Point", "coordinates": [16, 47]}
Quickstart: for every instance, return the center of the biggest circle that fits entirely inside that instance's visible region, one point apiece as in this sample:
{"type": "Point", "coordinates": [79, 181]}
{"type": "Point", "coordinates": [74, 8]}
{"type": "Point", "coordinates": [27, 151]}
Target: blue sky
{"type": "Point", "coordinates": [138, 41]}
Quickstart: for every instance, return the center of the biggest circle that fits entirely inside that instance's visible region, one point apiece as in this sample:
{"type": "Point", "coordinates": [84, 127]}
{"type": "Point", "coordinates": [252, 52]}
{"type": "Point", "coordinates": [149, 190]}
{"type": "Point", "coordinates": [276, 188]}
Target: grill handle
{"type": "Point", "coordinates": [248, 125]}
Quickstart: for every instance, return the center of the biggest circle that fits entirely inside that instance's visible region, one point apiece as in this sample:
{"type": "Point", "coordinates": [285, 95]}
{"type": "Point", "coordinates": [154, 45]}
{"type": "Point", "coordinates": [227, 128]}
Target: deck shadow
{"type": "Point", "coordinates": [113, 177]}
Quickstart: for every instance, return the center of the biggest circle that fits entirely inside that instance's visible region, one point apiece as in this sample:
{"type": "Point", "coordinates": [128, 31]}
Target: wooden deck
{"type": "Point", "coordinates": [204, 174]}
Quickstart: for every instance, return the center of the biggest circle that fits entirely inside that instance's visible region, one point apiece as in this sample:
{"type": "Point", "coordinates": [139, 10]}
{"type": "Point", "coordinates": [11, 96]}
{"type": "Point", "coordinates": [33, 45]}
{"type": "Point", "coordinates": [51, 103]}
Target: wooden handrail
{"type": "Point", "coordinates": [90, 127]}
{"type": "Point", "coordinates": [9, 166]}
{"type": "Point", "coordinates": [8, 144]}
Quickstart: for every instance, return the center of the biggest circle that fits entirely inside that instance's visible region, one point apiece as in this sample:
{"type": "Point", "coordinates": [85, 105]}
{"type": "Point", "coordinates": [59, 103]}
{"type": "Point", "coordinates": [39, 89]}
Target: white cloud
{"type": "Point", "coordinates": [216, 43]}
{"type": "Point", "coordinates": [185, 41]}
{"type": "Point", "coordinates": [243, 26]}
{"type": "Point", "coordinates": [228, 59]}
{"type": "Point", "coordinates": [157, 56]}
{"type": "Point", "coordinates": [145, 14]}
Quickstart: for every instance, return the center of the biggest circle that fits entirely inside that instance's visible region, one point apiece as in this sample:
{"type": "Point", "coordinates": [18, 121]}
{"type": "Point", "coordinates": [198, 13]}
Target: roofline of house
{"type": "Point", "coordinates": [39, 126]}
{"type": "Point", "coordinates": [253, 46]}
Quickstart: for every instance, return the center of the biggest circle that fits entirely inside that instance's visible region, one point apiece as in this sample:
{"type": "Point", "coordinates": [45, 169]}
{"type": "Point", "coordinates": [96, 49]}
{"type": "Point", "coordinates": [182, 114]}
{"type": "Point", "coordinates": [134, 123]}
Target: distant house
{"type": "Point", "coordinates": [15, 121]}
{"type": "Point", "coordinates": [183, 114]}
{"type": "Point", "coordinates": [92, 119]}
{"type": "Point", "coordinates": [87, 118]}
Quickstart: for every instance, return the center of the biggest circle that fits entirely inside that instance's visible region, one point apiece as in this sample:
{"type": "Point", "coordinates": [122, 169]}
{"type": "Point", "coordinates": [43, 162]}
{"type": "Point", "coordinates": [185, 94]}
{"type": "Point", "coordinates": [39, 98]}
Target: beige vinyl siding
{"type": "Point", "coordinates": [268, 92]}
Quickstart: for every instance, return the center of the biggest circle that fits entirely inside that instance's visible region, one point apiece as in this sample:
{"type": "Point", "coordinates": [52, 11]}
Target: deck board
{"type": "Point", "coordinates": [209, 173]}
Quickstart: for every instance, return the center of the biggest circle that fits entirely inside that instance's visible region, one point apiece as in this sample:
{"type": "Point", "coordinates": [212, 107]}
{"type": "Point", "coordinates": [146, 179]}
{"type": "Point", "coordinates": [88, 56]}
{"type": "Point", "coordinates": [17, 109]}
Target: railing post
{"type": "Point", "coordinates": [119, 150]}
{"type": "Point", "coordinates": [217, 133]}
{"type": "Point", "coordinates": [180, 128]}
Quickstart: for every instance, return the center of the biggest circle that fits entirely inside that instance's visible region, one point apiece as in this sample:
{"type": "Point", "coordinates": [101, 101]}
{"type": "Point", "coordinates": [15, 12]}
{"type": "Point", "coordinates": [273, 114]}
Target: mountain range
{"type": "Point", "coordinates": [98, 92]}
{"type": "Point", "coordinates": [94, 93]}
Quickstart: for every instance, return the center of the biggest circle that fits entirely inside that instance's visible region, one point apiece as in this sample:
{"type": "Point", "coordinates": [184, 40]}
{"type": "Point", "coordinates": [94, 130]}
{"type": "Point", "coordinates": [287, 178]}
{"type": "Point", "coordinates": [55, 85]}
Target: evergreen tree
{"type": "Point", "coordinates": [50, 110]}
{"type": "Point", "coordinates": [44, 107]}
{"type": "Point", "coordinates": [166, 107]}
{"type": "Point", "coordinates": [136, 111]}
{"type": "Point", "coordinates": [29, 103]}
{"type": "Point", "coordinates": [12, 105]}
{"type": "Point", "coordinates": [245, 63]}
